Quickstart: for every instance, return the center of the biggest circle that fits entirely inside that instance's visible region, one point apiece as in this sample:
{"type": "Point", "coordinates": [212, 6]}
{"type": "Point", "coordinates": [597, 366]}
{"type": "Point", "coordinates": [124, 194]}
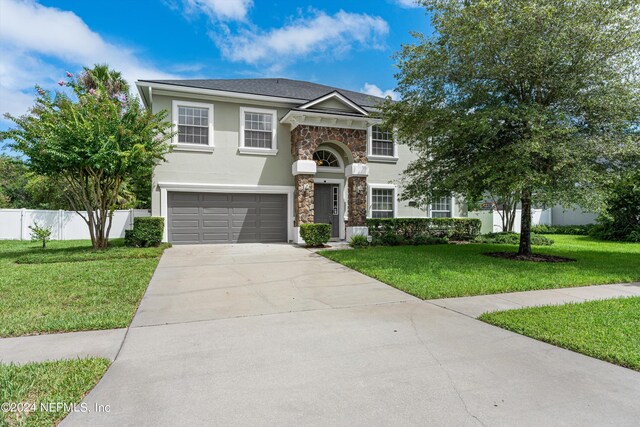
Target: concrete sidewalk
{"type": "Point", "coordinates": [274, 334]}
{"type": "Point", "coordinates": [477, 305]}
{"type": "Point", "coordinates": [70, 345]}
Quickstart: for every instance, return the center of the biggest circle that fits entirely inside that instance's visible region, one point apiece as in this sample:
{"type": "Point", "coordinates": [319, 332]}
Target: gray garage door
{"type": "Point", "coordinates": [227, 218]}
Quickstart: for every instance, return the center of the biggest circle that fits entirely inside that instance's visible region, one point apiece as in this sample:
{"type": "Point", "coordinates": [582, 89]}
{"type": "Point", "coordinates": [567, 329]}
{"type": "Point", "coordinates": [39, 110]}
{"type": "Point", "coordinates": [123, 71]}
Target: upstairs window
{"type": "Point", "coordinates": [381, 142]}
{"type": "Point", "coordinates": [258, 130]}
{"type": "Point", "coordinates": [194, 122]}
{"type": "Point", "coordinates": [382, 202]}
{"type": "Point", "coordinates": [441, 208]}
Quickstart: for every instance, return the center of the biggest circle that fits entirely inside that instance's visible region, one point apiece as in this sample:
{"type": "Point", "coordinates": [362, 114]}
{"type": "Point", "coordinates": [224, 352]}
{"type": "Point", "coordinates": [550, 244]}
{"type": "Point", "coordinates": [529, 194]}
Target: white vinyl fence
{"type": "Point", "coordinates": [491, 221]}
{"type": "Point", "coordinates": [65, 225]}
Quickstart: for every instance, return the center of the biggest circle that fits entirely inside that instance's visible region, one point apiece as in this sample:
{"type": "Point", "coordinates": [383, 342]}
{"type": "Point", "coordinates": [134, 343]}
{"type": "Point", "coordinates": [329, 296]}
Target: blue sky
{"type": "Point", "coordinates": [347, 44]}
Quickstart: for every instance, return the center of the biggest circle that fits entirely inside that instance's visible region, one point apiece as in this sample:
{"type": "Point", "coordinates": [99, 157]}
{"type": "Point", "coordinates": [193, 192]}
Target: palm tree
{"type": "Point", "coordinates": [101, 75]}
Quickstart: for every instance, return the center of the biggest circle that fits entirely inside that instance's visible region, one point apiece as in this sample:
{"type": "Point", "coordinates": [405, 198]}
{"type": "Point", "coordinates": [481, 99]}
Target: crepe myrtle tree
{"type": "Point", "coordinates": [529, 97]}
{"type": "Point", "coordinates": [94, 140]}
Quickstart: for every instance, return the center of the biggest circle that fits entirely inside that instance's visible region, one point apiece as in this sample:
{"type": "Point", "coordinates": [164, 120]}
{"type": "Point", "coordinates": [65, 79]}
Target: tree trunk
{"type": "Point", "coordinates": [525, 225]}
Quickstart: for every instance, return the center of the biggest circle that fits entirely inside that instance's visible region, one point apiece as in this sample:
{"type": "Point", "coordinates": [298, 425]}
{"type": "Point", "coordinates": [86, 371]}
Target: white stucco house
{"type": "Point", "coordinates": [255, 158]}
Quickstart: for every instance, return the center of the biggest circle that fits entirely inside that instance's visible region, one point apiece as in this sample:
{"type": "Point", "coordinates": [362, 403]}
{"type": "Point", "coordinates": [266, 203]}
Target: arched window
{"type": "Point", "coordinates": [325, 158]}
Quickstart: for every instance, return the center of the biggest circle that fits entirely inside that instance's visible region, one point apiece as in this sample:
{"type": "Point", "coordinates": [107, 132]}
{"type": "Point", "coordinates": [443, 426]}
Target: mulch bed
{"type": "Point", "coordinates": [533, 258]}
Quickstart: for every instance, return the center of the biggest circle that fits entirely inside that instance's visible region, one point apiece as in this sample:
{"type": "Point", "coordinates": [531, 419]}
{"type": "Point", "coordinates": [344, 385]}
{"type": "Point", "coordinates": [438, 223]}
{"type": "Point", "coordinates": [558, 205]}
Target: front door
{"type": "Point", "coordinates": [326, 202]}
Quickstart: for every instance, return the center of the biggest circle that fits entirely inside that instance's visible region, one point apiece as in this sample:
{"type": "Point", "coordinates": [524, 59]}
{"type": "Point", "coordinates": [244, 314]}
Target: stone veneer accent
{"type": "Point", "coordinates": [303, 203]}
{"type": "Point", "coordinates": [306, 138]}
{"type": "Point", "coordinates": [357, 192]}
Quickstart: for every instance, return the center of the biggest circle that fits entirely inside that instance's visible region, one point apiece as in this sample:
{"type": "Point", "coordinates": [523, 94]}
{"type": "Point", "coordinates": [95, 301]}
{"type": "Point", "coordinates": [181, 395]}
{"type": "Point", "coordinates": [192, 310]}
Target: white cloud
{"type": "Point", "coordinates": [371, 89]}
{"type": "Point", "coordinates": [320, 34]}
{"type": "Point", "coordinates": [219, 9]}
{"type": "Point", "coordinates": [35, 39]}
{"type": "Point", "coordinates": [409, 4]}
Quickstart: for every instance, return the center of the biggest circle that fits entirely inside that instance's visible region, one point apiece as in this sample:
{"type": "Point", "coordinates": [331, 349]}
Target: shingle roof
{"type": "Point", "coordinates": [284, 88]}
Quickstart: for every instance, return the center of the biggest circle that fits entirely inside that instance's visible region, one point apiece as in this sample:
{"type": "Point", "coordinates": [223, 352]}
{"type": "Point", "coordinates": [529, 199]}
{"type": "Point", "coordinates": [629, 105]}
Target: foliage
{"type": "Point", "coordinates": [40, 234]}
{"type": "Point", "coordinates": [607, 330]}
{"type": "Point", "coordinates": [532, 97]}
{"type": "Point", "coordinates": [576, 230]}
{"type": "Point", "coordinates": [147, 232]}
{"type": "Point", "coordinates": [71, 287]}
{"type": "Point", "coordinates": [512, 239]}
{"type": "Point", "coordinates": [397, 231]}
{"type": "Point", "coordinates": [425, 239]}
{"type": "Point", "coordinates": [64, 381]}
{"type": "Point", "coordinates": [621, 217]}
{"type": "Point", "coordinates": [94, 141]}
{"type": "Point", "coordinates": [315, 234]}
{"type": "Point", "coordinates": [444, 271]}
{"type": "Point", "coordinates": [359, 241]}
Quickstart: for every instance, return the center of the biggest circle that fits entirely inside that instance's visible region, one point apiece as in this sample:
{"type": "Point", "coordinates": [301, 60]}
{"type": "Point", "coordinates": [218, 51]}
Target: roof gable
{"type": "Point", "coordinates": [333, 101]}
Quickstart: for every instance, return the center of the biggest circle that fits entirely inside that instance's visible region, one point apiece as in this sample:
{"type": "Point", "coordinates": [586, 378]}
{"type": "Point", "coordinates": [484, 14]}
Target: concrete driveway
{"type": "Point", "coordinates": [277, 335]}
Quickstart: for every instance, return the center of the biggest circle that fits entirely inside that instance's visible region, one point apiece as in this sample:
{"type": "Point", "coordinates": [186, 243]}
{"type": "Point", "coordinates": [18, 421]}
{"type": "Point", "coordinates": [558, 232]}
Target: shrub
{"type": "Point", "coordinates": [40, 234]}
{"type": "Point", "coordinates": [621, 218]}
{"type": "Point", "coordinates": [576, 230]}
{"type": "Point", "coordinates": [147, 231]}
{"type": "Point", "coordinates": [407, 230]}
{"type": "Point", "coordinates": [359, 241]}
{"type": "Point", "coordinates": [422, 239]}
{"type": "Point", "coordinates": [315, 234]}
{"type": "Point", "coordinates": [512, 239]}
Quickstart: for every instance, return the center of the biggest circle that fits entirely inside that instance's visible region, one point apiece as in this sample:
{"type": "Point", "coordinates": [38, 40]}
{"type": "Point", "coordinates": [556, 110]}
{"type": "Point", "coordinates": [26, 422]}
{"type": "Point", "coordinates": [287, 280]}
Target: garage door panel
{"type": "Point", "coordinates": [226, 218]}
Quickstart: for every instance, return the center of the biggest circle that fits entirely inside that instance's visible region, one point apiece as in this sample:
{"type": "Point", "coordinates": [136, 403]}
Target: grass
{"type": "Point", "coordinates": [62, 381]}
{"type": "Point", "coordinates": [441, 271]}
{"type": "Point", "coordinates": [607, 330]}
{"type": "Point", "coordinates": [70, 287]}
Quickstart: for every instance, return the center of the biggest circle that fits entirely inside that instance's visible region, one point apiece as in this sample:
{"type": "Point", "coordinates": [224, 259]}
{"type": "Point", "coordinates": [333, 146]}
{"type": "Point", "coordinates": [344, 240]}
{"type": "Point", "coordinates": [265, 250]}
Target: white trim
{"type": "Point", "coordinates": [165, 187]}
{"type": "Point", "coordinates": [314, 118]}
{"type": "Point", "coordinates": [341, 201]}
{"type": "Point", "coordinates": [174, 119]}
{"type": "Point", "coordinates": [274, 132]}
{"type": "Point", "coordinates": [340, 97]}
{"type": "Point", "coordinates": [371, 186]}
{"type": "Point", "coordinates": [222, 93]}
{"type": "Point", "coordinates": [356, 169]}
{"type": "Point", "coordinates": [378, 158]}
{"type": "Point", "coordinates": [327, 169]}
{"type": "Point", "coordinates": [307, 167]}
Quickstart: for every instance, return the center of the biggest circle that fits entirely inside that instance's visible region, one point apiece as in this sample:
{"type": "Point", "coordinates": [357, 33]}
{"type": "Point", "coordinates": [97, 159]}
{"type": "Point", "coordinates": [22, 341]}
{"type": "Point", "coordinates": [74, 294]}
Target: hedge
{"type": "Point", "coordinates": [576, 230]}
{"type": "Point", "coordinates": [395, 231]}
{"type": "Point", "coordinates": [147, 231]}
{"type": "Point", "coordinates": [315, 234]}
{"type": "Point", "coordinates": [512, 239]}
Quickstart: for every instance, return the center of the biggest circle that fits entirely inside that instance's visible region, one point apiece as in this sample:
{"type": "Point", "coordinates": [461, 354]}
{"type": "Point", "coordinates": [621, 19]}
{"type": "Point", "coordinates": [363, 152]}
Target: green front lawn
{"type": "Point", "coordinates": [440, 271]}
{"type": "Point", "coordinates": [44, 387]}
{"type": "Point", "coordinates": [70, 287]}
{"type": "Point", "coordinates": [608, 330]}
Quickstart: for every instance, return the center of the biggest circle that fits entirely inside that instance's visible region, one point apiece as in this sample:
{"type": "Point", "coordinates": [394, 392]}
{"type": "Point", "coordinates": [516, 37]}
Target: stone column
{"type": "Point", "coordinates": [303, 200]}
{"type": "Point", "coordinates": [356, 175]}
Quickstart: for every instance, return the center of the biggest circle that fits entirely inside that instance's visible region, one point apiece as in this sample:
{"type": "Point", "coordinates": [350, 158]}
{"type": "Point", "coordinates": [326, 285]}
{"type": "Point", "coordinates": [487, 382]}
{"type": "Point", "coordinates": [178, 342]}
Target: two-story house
{"type": "Point", "coordinates": [255, 158]}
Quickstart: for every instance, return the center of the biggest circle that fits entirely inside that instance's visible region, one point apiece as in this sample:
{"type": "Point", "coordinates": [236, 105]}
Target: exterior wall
{"type": "Point", "coordinates": [224, 165]}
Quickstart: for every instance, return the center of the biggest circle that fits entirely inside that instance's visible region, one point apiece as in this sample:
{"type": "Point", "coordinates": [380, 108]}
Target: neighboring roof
{"type": "Point", "coordinates": [283, 88]}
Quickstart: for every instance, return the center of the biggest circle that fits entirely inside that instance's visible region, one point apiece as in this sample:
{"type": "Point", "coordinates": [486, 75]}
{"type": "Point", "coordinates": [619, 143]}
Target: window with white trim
{"type": "Point", "coordinates": [325, 158]}
{"type": "Point", "coordinates": [382, 202]}
{"type": "Point", "coordinates": [381, 142]}
{"type": "Point", "coordinates": [257, 129]}
{"type": "Point", "coordinates": [194, 123]}
{"type": "Point", "coordinates": [441, 208]}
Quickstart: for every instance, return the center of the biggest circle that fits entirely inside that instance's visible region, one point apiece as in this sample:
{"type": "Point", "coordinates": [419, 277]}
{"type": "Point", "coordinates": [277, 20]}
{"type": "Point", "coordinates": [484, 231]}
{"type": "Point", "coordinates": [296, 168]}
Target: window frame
{"type": "Point", "coordinates": [274, 132]}
{"type": "Point", "coordinates": [450, 210]}
{"type": "Point", "coordinates": [394, 193]}
{"type": "Point", "coordinates": [330, 169]}
{"type": "Point", "coordinates": [186, 146]}
{"type": "Point", "coordinates": [377, 157]}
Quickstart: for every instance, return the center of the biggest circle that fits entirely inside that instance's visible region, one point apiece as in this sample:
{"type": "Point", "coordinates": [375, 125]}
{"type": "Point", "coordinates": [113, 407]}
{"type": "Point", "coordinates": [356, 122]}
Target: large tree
{"type": "Point", "coordinates": [95, 140]}
{"type": "Point", "coordinates": [528, 97]}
